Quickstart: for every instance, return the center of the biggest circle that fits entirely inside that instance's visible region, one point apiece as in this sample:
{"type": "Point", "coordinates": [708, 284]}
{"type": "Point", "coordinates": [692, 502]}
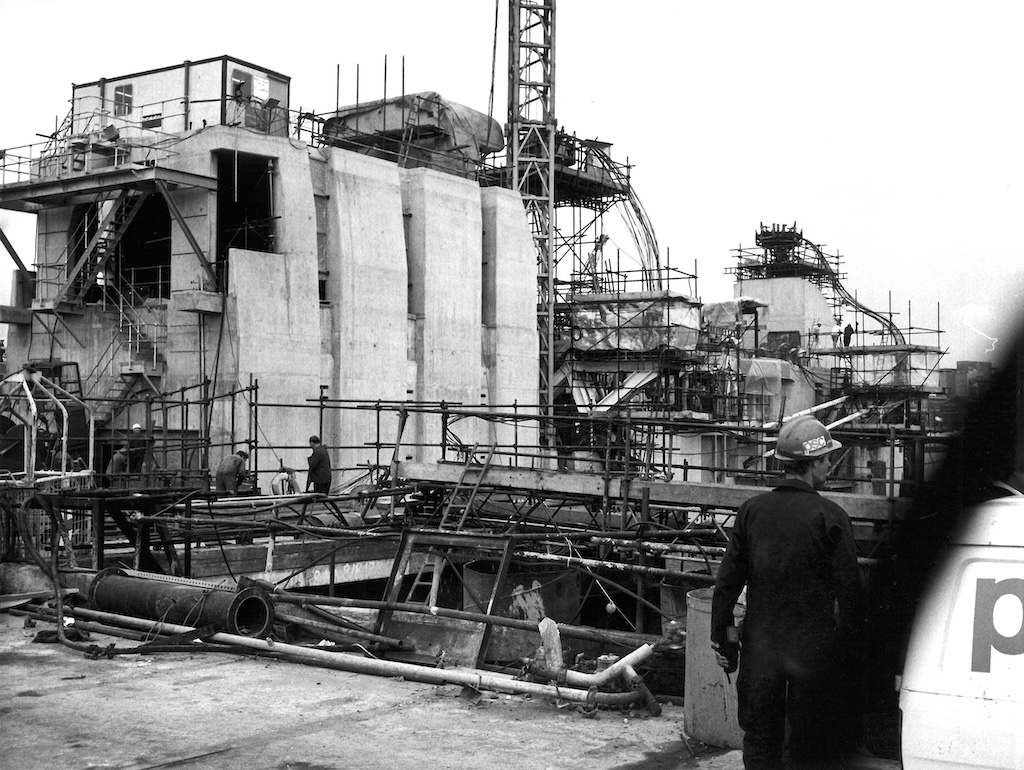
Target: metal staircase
{"type": "Point", "coordinates": [145, 367]}
{"type": "Point", "coordinates": [94, 256]}
{"type": "Point", "coordinates": [102, 246]}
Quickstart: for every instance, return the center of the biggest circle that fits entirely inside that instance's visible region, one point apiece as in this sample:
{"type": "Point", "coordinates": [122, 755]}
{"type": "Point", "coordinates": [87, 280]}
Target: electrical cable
{"type": "Point", "coordinates": [224, 556]}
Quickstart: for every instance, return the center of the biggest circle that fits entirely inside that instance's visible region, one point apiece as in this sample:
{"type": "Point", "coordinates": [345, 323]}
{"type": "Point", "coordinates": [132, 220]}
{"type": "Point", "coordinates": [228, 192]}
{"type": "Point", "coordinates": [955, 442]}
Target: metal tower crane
{"type": "Point", "coordinates": [532, 127]}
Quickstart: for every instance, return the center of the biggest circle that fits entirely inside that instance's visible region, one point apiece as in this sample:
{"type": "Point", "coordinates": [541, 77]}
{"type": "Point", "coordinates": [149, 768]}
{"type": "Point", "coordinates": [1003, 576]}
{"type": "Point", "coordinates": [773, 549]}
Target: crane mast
{"type": "Point", "coordinates": [531, 127]}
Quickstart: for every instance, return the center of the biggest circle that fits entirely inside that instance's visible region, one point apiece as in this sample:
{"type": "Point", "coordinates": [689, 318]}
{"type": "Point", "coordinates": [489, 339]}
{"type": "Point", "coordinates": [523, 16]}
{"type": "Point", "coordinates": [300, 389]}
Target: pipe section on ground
{"type": "Point", "coordinates": [479, 680]}
{"type": "Point", "coordinates": [622, 666]}
{"type": "Point", "coordinates": [246, 613]}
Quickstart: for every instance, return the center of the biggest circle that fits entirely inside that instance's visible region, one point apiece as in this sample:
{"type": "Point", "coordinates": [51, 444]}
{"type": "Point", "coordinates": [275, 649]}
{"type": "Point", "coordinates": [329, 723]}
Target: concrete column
{"type": "Point", "coordinates": [511, 348]}
{"type": "Point", "coordinates": [365, 351]}
{"type": "Point", "coordinates": [444, 248]}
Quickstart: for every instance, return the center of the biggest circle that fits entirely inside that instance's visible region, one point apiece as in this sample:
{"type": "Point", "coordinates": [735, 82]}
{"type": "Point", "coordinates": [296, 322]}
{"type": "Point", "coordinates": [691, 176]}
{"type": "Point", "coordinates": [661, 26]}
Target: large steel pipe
{"type": "Point", "coordinates": [245, 613]}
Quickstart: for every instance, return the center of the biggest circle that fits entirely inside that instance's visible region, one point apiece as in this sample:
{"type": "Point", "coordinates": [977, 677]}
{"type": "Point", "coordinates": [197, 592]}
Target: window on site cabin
{"type": "Point", "coordinates": [241, 84]}
{"type": "Point", "coordinates": [123, 99]}
{"type": "Point", "coordinates": [245, 205]}
{"type": "Point", "coordinates": [253, 106]}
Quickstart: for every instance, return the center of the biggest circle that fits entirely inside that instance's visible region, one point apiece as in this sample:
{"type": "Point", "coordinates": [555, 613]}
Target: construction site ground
{"type": "Point", "coordinates": [60, 709]}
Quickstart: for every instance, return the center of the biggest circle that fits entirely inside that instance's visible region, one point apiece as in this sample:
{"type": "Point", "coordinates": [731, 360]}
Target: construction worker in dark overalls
{"type": "Point", "coordinates": [794, 551]}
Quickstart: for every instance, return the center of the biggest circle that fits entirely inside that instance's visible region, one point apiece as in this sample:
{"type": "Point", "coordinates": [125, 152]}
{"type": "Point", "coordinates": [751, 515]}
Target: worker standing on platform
{"type": "Point", "coordinates": [117, 468]}
{"type": "Point", "coordinates": [847, 336]}
{"type": "Point", "coordinates": [231, 472]}
{"type": "Point", "coordinates": [319, 476]}
{"type": "Point", "coordinates": [837, 333]}
{"type": "Point", "coordinates": [795, 553]}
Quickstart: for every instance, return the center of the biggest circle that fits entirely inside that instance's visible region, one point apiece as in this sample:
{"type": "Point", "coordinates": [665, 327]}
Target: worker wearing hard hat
{"type": "Point", "coordinates": [794, 551]}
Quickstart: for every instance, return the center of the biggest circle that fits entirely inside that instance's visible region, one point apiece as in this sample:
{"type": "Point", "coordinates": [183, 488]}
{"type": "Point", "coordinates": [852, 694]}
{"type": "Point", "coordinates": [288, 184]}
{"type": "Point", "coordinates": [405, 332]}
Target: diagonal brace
{"type": "Point", "coordinates": [176, 213]}
{"type": "Point", "coordinates": [11, 250]}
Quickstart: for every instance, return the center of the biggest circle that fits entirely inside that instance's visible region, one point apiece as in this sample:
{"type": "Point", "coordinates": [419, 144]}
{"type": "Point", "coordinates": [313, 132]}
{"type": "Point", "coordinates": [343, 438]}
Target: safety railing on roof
{"type": "Point", "coordinates": [77, 155]}
{"type": "Point", "coordinates": [96, 134]}
{"type": "Point", "coordinates": [100, 134]}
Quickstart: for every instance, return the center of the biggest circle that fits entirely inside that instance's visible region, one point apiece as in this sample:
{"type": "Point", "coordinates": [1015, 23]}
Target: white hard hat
{"type": "Point", "coordinates": [136, 428]}
{"type": "Point", "coordinates": [804, 439]}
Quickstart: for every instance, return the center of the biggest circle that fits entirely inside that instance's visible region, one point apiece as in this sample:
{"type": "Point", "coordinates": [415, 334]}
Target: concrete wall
{"type": "Point", "coordinates": [511, 346]}
{"type": "Point", "coordinates": [363, 327]}
{"type": "Point", "coordinates": [273, 318]}
{"type": "Point", "coordinates": [430, 296]}
{"type": "Point", "coordinates": [276, 339]}
{"type": "Point", "coordinates": [444, 249]}
{"type": "Point", "coordinates": [295, 238]}
{"type": "Point", "coordinates": [793, 305]}
{"type": "Point", "coordinates": [52, 229]}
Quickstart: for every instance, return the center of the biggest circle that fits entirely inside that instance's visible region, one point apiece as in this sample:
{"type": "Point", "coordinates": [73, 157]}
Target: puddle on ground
{"type": "Point", "coordinates": [675, 755]}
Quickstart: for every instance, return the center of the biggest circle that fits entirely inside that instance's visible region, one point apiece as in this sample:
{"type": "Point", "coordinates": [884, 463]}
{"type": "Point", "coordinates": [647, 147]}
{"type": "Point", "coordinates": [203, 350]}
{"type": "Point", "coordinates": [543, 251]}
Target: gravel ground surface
{"type": "Point", "coordinates": [59, 709]}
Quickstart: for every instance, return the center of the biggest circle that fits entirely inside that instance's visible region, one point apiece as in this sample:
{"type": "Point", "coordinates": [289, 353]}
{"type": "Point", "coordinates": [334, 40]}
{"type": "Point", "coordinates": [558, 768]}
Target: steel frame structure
{"type": "Point", "coordinates": [532, 125]}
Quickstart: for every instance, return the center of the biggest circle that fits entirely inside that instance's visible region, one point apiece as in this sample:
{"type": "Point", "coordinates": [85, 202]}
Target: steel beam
{"type": "Point", "coordinates": [12, 251]}
{"type": "Point", "coordinates": [176, 213]}
{"type": "Point", "coordinates": [873, 508]}
{"type": "Point", "coordinates": [46, 193]}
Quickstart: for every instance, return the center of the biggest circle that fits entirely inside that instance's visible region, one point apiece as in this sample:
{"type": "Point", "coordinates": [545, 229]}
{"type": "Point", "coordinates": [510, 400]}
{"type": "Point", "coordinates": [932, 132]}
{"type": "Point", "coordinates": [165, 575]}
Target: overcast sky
{"type": "Point", "coordinates": [891, 132]}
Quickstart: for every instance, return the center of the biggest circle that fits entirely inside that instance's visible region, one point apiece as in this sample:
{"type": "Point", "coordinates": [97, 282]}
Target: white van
{"type": "Point", "coordinates": [962, 691]}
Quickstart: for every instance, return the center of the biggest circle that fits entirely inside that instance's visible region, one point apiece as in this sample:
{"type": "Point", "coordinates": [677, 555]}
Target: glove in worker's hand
{"type": "Point", "coordinates": [728, 654]}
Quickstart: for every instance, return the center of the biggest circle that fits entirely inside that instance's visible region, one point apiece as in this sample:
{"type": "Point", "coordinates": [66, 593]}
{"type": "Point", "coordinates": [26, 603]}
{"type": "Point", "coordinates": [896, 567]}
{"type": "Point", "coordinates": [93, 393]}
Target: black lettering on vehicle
{"type": "Point", "coordinates": [986, 637]}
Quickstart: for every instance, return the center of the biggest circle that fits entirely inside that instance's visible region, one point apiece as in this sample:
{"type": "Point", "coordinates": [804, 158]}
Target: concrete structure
{"type": "Point", "coordinates": [212, 245]}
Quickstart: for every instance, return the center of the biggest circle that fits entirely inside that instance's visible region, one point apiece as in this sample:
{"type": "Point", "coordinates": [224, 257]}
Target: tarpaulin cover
{"type": "Point", "coordinates": [764, 376]}
{"type": "Point", "coordinates": [637, 322]}
{"type": "Point", "coordinates": [471, 132]}
{"type": "Point", "coordinates": [731, 311]}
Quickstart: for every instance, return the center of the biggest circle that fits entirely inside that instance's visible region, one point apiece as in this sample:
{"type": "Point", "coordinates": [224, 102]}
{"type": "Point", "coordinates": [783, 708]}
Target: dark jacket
{"type": "Point", "coordinates": [230, 473]}
{"type": "Point", "coordinates": [794, 551]}
{"type": "Point", "coordinates": [319, 466]}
